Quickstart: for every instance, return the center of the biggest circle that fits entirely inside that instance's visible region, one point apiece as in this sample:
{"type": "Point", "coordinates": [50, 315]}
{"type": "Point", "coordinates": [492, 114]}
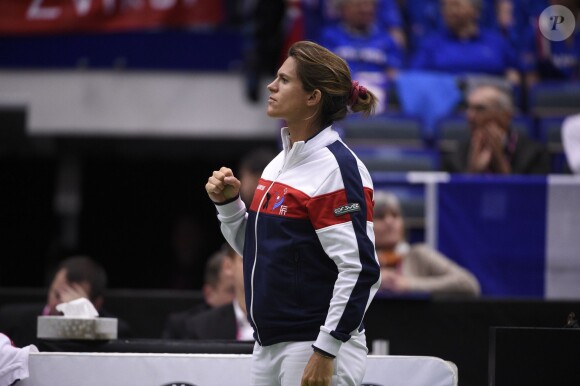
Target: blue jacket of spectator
{"type": "Point", "coordinates": [373, 52]}
{"type": "Point", "coordinates": [322, 13]}
{"type": "Point", "coordinates": [370, 56]}
{"type": "Point", "coordinates": [486, 53]}
{"type": "Point", "coordinates": [558, 60]}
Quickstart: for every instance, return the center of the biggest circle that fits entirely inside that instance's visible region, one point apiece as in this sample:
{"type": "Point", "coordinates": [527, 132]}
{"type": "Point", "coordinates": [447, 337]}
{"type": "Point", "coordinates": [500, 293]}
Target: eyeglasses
{"type": "Point", "coordinates": [477, 107]}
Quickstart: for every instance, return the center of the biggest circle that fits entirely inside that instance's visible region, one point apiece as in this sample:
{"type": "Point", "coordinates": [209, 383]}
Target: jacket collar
{"type": "Point", "coordinates": [301, 149]}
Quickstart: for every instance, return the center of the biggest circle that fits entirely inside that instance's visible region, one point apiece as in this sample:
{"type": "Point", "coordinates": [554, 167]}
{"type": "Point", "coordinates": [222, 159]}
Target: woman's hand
{"type": "Point", "coordinates": [393, 281]}
{"type": "Point", "coordinates": [222, 185]}
{"type": "Point", "coordinates": [318, 371]}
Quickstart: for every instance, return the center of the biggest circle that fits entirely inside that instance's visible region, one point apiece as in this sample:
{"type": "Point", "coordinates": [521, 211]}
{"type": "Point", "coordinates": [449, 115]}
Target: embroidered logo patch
{"type": "Point", "coordinates": [348, 208]}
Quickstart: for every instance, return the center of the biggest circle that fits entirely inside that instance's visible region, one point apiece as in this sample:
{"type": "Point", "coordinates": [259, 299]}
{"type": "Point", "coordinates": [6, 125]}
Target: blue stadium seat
{"type": "Point", "coordinates": [554, 99]}
{"type": "Point", "coordinates": [450, 131]}
{"type": "Point", "coordinates": [397, 159]}
{"type": "Point", "coordinates": [550, 133]}
{"type": "Point", "coordinates": [387, 129]}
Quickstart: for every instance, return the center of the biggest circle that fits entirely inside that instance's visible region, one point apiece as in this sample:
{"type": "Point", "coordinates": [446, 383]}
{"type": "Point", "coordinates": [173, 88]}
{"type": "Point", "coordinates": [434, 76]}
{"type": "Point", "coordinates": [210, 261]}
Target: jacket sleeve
{"type": "Point", "coordinates": [342, 219]}
{"type": "Point", "coordinates": [233, 219]}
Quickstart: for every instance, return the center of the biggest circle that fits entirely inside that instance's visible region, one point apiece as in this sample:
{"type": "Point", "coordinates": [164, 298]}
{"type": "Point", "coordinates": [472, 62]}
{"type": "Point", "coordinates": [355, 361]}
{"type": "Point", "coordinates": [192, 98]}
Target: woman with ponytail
{"type": "Point", "coordinates": [310, 266]}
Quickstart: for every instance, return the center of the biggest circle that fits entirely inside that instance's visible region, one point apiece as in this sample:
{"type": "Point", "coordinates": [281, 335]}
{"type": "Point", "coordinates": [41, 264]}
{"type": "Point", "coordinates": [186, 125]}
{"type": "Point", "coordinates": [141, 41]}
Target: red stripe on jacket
{"type": "Point", "coordinates": [322, 208]}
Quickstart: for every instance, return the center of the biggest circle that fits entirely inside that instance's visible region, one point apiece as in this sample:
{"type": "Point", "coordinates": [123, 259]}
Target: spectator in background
{"type": "Point", "coordinates": [221, 282]}
{"type": "Point", "coordinates": [391, 20]}
{"type": "Point", "coordinates": [422, 18]}
{"type": "Point", "coordinates": [372, 55]}
{"type": "Point", "coordinates": [493, 146]}
{"type": "Point", "coordinates": [389, 17]}
{"type": "Point", "coordinates": [218, 289]}
{"type": "Point", "coordinates": [517, 20]}
{"type": "Point", "coordinates": [512, 18]}
{"type": "Point", "coordinates": [76, 277]}
{"type": "Point", "coordinates": [463, 48]}
{"type": "Point", "coordinates": [571, 141]}
{"type": "Point", "coordinates": [556, 60]}
{"type": "Point", "coordinates": [413, 268]}
{"type": "Point", "coordinates": [228, 321]}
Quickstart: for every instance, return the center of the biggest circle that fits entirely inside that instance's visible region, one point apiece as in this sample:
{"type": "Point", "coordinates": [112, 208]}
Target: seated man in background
{"type": "Point", "coordinates": [462, 47]}
{"type": "Point", "coordinates": [228, 322]}
{"type": "Point", "coordinates": [218, 289]}
{"type": "Point", "coordinates": [493, 146]}
{"type": "Point", "coordinates": [219, 318]}
{"type": "Point", "coordinates": [413, 268]}
{"type": "Point", "coordinates": [76, 277]}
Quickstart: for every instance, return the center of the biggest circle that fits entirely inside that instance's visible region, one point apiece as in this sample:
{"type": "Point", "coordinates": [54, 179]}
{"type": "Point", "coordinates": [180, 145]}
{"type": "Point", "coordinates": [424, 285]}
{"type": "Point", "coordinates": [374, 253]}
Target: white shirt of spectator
{"type": "Point", "coordinates": [245, 330]}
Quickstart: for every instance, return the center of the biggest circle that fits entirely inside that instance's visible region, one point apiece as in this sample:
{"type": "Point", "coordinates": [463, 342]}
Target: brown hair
{"type": "Point", "coordinates": [319, 68]}
{"type": "Point", "coordinates": [81, 269]}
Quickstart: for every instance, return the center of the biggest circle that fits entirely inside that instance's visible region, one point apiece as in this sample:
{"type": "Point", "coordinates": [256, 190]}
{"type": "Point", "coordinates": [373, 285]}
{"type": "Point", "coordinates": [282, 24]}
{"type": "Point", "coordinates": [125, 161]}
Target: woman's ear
{"type": "Point", "coordinates": [314, 98]}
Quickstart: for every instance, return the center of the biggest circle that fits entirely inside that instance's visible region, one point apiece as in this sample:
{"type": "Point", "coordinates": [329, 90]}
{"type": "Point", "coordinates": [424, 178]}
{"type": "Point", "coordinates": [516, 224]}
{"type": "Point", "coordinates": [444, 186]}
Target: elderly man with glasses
{"type": "Point", "coordinates": [494, 146]}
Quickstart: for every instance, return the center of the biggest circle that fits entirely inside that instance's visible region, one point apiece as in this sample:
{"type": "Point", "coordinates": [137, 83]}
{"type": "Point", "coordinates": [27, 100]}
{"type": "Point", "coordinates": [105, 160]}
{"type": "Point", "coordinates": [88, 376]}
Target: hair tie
{"type": "Point", "coordinates": [356, 91]}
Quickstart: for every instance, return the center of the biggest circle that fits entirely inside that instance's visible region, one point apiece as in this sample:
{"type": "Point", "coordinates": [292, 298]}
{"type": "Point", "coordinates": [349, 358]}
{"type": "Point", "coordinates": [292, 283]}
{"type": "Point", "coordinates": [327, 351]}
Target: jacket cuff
{"type": "Point", "coordinates": [230, 209]}
{"type": "Point", "coordinates": [323, 353]}
{"type": "Point", "coordinates": [327, 343]}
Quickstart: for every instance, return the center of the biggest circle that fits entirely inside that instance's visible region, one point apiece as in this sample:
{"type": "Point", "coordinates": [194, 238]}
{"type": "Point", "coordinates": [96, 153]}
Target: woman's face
{"type": "Point", "coordinates": [288, 100]}
{"type": "Point", "coordinates": [389, 228]}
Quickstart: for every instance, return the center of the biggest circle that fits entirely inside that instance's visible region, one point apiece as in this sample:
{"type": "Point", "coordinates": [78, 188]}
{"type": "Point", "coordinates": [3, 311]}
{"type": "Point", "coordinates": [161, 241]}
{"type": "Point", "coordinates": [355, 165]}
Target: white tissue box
{"type": "Point", "coordinates": [61, 327]}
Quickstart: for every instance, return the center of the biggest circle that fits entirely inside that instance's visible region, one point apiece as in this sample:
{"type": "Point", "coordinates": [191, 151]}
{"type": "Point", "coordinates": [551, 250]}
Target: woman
{"type": "Point", "coordinates": [416, 268]}
{"type": "Point", "coordinates": [310, 267]}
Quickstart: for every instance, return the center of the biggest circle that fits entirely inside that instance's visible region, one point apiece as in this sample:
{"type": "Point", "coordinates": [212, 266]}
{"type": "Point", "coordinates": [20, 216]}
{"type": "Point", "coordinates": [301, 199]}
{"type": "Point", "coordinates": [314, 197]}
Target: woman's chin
{"type": "Point", "coordinates": [271, 113]}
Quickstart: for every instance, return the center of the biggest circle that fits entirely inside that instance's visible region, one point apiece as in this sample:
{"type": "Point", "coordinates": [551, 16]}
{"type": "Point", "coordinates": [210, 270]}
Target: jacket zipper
{"type": "Point", "coordinates": [256, 256]}
{"type": "Point", "coordinates": [256, 243]}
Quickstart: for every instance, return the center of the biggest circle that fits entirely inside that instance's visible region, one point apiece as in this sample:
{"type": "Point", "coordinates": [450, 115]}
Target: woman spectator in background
{"type": "Point", "coordinates": [415, 268]}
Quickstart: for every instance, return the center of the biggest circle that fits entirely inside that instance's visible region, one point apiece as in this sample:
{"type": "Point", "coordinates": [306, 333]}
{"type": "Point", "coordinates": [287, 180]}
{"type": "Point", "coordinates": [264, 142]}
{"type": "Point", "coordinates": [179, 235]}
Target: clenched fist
{"type": "Point", "coordinates": [222, 185]}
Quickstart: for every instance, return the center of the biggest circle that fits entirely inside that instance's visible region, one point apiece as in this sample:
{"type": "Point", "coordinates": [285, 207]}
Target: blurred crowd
{"type": "Point", "coordinates": [380, 38]}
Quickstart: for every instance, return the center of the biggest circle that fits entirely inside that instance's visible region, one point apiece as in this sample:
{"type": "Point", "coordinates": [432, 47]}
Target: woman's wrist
{"type": "Point", "coordinates": [323, 353]}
